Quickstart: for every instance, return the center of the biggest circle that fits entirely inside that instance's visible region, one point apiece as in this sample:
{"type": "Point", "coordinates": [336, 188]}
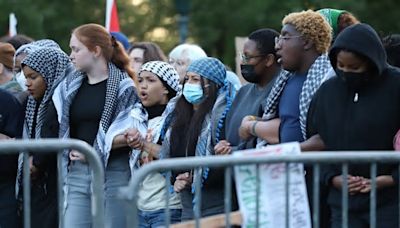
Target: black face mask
{"type": "Point", "coordinates": [355, 80]}
{"type": "Point", "coordinates": [249, 73]}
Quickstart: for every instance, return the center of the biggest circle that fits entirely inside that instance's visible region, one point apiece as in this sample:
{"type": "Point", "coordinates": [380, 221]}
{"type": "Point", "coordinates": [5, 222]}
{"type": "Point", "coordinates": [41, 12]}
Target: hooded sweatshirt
{"type": "Point", "coordinates": [358, 118]}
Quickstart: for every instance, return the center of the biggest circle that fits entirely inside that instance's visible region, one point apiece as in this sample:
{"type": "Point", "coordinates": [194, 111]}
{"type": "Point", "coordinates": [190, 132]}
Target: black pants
{"type": "Point", "coordinates": [386, 216]}
{"type": "Point", "coordinates": [324, 210]}
{"type": "Point", "coordinates": [8, 205]}
{"type": "Point", "coordinates": [44, 210]}
{"type": "Point", "coordinates": [44, 204]}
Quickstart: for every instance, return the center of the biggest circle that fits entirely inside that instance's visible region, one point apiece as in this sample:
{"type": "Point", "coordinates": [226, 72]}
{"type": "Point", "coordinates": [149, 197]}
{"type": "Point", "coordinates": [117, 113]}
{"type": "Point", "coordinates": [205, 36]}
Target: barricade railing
{"type": "Point", "coordinates": [58, 145]}
{"type": "Point", "coordinates": [316, 159]}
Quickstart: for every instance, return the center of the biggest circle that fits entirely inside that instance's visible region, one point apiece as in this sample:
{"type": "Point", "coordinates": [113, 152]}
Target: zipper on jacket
{"type": "Point", "coordinates": [355, 97]}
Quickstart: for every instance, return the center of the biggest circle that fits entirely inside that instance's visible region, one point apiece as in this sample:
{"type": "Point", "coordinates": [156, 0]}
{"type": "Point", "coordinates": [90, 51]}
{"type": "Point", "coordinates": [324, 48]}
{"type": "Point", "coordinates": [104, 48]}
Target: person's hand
{"type": "Point", "coordinates": [355, 183]}
{"type": "Point", "coordinates": [245, 127]}
{"type": "Point", "coordinates": [4, 137]}
{"type": "Point", "coordinates": [34, 170]}
{"type": "Point", "coordinates": [367, 185]}
{"type": "Point", "coordinates": [134, 139]}
{"type": "Point", "coordinates": [182, 181]}
{"type": "Point", "coordinates": [145, 158]}
{"type": "Point", "coordinates": [381, 182]}
{"type": "Point", "coordinates": [149, 135]}
{"type": "Point", "coordinates": [223, 147]}
{"type": "Point", "coordinates": [76, 156]}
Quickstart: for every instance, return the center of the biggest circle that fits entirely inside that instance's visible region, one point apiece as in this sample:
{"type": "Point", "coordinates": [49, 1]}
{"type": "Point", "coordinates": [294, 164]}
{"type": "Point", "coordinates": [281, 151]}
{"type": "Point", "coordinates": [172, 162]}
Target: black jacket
{"type": "Point", "coordinates": [11, 122]}
{"type": "Point", "coordinates": [367, 123]}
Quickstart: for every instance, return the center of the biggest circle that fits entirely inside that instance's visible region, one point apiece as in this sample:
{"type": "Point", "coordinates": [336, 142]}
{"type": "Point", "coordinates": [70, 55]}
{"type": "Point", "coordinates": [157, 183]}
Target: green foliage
{"type": "Point", "coordinates": [213, 24]}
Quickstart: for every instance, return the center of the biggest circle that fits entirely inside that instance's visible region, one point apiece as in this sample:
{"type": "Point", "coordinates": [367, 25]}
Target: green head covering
{"type": "Point", "coordinates": [332, 16]}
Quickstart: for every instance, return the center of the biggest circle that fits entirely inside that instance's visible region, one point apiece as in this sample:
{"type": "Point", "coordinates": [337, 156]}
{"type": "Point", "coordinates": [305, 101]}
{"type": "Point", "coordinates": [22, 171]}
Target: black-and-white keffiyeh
{"type": "Point", "coordinates": [52, 64]}
{"type": "Point", "coordinates": [121, 100]}
{"type": "Point", "coordinates": [315, 77]}
{"type": "Point", "coordinates": [34, 46]}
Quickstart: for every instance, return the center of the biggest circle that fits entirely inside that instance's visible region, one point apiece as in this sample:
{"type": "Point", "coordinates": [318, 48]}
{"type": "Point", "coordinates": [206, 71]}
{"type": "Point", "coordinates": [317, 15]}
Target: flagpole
{"type": "Point", "coordinates": [12, 29]}
{"type": "Point", "coordinates": [109, 5]}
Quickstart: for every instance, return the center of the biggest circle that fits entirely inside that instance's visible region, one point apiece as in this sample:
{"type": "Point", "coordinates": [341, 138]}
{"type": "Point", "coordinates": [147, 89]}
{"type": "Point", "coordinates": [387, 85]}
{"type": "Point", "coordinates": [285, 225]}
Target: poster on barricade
{"type": "Point", "coordinates": [272, 194]}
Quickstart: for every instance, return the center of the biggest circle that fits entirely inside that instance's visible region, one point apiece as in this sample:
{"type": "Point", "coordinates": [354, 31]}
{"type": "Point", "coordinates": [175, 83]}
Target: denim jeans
{"type": "Point", "coordinates": [153, 219]}
{"type": "Point", "coordinates": [78, 210]}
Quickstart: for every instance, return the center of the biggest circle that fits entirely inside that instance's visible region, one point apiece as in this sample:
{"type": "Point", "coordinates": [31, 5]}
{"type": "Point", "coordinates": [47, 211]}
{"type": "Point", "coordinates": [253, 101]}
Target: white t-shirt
{"type": "Point", "coordinates": [151, 195]}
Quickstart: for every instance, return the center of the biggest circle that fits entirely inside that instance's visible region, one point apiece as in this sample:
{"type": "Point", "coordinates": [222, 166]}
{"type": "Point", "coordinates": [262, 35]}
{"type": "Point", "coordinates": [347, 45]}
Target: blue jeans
{"type": "Point", "coordinates": [78, 213]}
{"type": "Point", "coordinates": [150, 219]}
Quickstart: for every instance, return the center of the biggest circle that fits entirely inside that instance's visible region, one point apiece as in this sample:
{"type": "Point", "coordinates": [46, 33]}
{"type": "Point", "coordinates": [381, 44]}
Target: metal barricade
{"type": "Point", "coordinates": [316, 159]}
{"type": "Point", "coordinates": [57, 145]}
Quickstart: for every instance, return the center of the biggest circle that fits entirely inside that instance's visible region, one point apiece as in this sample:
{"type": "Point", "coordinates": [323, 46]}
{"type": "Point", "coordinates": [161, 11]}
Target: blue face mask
{"type": "Point", "coordinates": [193, 93]}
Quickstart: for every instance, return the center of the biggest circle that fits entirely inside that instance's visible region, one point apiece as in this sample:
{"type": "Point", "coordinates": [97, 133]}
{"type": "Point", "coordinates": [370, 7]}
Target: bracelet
{"type": "Point", "coordinates": [253, 128]}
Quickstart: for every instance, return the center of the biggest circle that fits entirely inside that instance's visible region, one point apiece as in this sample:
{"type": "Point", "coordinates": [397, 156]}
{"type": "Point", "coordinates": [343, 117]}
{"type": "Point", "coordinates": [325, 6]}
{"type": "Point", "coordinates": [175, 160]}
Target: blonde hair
{"type": "Point", "coordinates": [312, 26]}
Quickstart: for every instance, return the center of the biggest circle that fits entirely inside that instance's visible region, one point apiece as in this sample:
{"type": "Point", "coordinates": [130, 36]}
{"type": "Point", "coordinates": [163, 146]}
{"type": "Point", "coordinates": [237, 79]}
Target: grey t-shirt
{"type": "Point", "coordinates": [250, 100]}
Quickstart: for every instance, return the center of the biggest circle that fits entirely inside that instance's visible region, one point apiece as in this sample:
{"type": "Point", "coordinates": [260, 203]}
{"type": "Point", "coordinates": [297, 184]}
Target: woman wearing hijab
{"type": "Point", "coordinates": [94, 105]}
{"type": "Point", "coordinates": [197, 126]}
{"type": "Point", "coordinates": [43, 69]}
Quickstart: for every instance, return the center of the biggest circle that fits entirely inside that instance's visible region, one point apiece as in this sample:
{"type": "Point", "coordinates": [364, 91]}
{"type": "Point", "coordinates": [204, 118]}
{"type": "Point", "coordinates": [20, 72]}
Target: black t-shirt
{"type": "Point", "coordinates": [86, 110]}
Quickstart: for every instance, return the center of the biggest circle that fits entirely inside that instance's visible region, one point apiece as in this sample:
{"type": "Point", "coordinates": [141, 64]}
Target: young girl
{"type": "Point", "coordinates": [158, 86]}
{"type": "Point", "coordinates": [94, 104]}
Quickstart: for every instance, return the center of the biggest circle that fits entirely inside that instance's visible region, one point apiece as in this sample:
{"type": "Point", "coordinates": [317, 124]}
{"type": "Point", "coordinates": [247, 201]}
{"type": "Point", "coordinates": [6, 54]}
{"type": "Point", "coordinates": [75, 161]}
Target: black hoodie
{"type": "Point", "coordinates": [369, 122]}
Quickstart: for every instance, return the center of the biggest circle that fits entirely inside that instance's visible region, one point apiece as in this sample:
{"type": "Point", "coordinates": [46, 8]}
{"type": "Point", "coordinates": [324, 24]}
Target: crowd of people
{"type": "Point", "coordinates": [326, 81]}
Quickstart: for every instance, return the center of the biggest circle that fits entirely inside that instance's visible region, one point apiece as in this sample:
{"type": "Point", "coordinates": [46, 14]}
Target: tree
{"type": "Point", "coordinates": [213, 24]}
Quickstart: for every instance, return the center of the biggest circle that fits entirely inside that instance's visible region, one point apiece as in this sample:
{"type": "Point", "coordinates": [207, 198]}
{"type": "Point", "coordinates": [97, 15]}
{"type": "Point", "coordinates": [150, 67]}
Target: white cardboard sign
{"type": "Point", "coordinates": [272, 198]}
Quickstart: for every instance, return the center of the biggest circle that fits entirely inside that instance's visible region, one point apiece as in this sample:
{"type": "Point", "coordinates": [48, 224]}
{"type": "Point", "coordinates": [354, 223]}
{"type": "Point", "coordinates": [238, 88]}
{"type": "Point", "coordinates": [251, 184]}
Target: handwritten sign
{"type": "Point", "coordinates": [272, 194]}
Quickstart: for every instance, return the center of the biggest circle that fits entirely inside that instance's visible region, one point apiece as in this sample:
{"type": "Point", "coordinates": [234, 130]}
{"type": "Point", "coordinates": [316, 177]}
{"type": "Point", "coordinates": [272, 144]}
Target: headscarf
{"type": "Point", "coordinates": [164, 71]}
{"type": "Point", "coordinates": [214, 70]}
{"type": "Point", "coordinates": [52, 64]}
{"type": "Point", "coordinates": [170, 77]}
{"type": "Point", "coordinates": [210, 134]}
{"type": "Point", "coordinates": [31, 47]}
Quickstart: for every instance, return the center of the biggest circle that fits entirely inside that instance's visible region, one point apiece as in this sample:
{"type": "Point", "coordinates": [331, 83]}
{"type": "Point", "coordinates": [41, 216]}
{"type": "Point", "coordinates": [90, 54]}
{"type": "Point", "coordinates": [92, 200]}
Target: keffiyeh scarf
{"type": "Point", "coordinates": [315, 77]}
{"type": "Point", "coordinates": [52, 64]}
{"type": "Point", "coordinates": [122, 110]}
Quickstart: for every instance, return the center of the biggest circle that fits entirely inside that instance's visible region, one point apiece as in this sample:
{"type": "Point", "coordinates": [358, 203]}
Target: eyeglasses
{"type": "Point", "coordinates": [246, 58]}
{"type": "Point", "coordinates": [279, 38]}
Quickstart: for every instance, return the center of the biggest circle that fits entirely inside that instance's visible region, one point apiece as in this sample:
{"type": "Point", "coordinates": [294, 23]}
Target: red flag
{"type": "Point", "coordinates": [112, 21]}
